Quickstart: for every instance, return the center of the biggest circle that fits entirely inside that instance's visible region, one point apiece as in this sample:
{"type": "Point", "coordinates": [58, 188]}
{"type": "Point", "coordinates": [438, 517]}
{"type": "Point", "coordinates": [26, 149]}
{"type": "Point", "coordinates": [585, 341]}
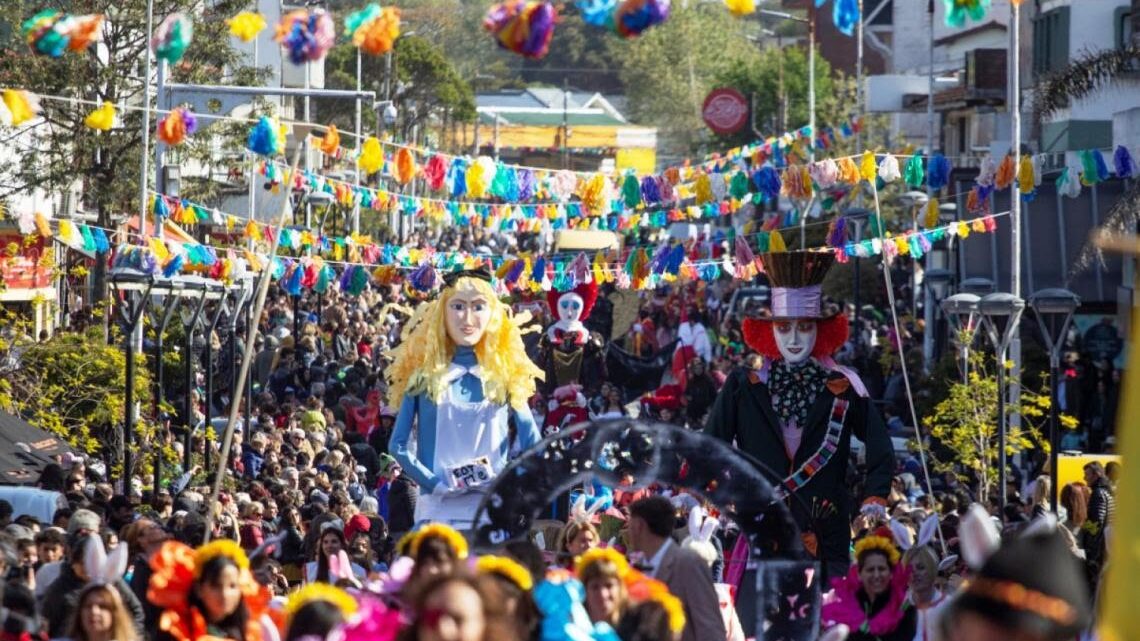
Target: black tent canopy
{"type": "Point", "coordinates": [25, 449]}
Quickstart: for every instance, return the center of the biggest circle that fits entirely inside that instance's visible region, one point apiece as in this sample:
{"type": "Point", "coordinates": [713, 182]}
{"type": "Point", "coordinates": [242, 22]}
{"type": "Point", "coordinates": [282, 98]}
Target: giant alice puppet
{"type": "Point", "coordinates": [798, 412]}
{"type": "Point", "coordinates": [458, 376]}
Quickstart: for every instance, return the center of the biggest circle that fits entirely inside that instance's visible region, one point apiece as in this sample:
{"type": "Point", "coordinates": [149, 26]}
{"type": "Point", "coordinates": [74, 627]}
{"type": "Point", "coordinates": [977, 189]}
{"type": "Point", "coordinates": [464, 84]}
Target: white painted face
{"type": "Point", "coordinates": [795, 339]}
{"type": "Point", "coordinates": [570, 307]}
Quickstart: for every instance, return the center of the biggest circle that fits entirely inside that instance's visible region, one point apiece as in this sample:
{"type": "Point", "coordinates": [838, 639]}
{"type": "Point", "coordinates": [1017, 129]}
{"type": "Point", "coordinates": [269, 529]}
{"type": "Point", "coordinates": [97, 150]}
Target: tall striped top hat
{"type": "Point", "coordinates": [796, 280]}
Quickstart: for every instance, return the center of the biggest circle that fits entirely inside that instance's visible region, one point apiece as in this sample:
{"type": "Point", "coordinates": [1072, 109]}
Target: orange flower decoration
{"type": "Point", "coordinates": [173, 575]}
{"type": "Point", "coordinates": [331, 142]}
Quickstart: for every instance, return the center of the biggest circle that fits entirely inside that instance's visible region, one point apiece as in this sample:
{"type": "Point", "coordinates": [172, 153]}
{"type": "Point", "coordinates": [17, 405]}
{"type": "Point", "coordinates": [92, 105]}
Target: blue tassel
{"type": "Point", "coordinates": [293, 283]}
{"type": "Point", "coordinates": [767, 180]}
{"type": "Point", "coordinates": [101, 244]}
{"type": "Point", "coordinates": [1101, 165]}
{"type": "Point", "coordinates": [650, 192]}
{"type": "Point", "coordinates": [1123, 161]}
{"type": "Point", "coordinates": [845, 14]}
{"type": "Point", "coordinates": [173, 266]}
{"type": "Point", "coordinates": [938, 172]}
{"type": "Point", "coordinates": [838, 235]}
{"type": "Point", "coordinates": [262, 139]}
{"type": "Point", "coordinates": [457, 177]}
{"type": "Point", "coordinates": [422, 278]}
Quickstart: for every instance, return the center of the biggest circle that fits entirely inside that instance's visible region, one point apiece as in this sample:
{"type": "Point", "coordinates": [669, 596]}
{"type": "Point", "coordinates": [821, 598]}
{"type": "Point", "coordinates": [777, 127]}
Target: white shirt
{"type": "Point", "coordinates": [655, 562]}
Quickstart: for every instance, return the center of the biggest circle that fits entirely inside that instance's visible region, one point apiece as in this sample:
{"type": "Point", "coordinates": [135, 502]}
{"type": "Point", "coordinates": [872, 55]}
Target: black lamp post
{"type": "Point", "coordinates": [163, 299]}
{"type": "Point", "coordinates": [190, 311]}
{"type": "Point", "coordinates": [937, 282]}
{"type": "Point", "coordinates": [1002, 313]}
{"type": "Point", "coordinates": [134, 287]}
{"type": "Point", "coordinates": [961, 310]}
{"type": "Point", "coordinates": [1054, 310]}
{"type": "Point", "coordinates": [249, 287]}
{"type": "Point", "coordinates": [214, 292]}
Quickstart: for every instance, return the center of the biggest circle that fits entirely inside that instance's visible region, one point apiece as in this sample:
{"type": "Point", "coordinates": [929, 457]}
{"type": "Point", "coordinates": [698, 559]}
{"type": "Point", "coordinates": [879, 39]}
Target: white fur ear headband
{"type": "Point", "coordinates": [103, 568]}
{"type": "Point", "coordinates": [701, 525]}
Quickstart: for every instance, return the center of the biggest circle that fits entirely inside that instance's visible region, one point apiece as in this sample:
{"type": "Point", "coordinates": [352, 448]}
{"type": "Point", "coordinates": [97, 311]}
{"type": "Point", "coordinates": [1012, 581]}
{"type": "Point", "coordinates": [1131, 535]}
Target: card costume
{"type": "Point", "coordinates": [798, 420]}
{"type": "Point", "coordinates": [570, 353]}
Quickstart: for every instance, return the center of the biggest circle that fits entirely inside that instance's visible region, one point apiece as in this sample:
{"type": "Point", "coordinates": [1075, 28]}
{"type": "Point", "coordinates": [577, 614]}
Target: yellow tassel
{"type": "Point", "coordinates": [848, 172]}
{"type": "Point", "coordinates": [931, 218]}
{"type": "Point", "coordinates": [1025, 179]}
{"type": "Point", "coordinates": [42, 225]}
{"type": "Point", "coordinates": [776, 243]}
{"type": "Point", "coordinates": [161, 253]}
{"type": "Point", "coordinates": [102, 119]}
{"type": "Point", "coordinates": [868, 168]}
{"type": "Point", "coordinates": [703, 189]}
{"type": "Point", "coordinates": [963, 230]}
{"type": "Point", "coordinates": [22, 106]}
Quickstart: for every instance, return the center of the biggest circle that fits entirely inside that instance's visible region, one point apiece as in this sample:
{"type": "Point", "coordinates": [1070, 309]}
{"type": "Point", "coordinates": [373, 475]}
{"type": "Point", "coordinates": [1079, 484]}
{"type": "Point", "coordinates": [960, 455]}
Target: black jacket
{"type": "Point", "coordinates": [62, 600]}
{"type": "Point", "coordinates": [743, 414]}
{"type": "Point", "coordinates": [402, 504]}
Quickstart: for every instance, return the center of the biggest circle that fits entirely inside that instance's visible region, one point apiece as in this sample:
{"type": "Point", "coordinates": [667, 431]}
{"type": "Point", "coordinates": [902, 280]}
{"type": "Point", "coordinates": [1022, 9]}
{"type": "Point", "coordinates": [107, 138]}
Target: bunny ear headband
{"type": "Point", "coordinates": [701, 525]}
{"type": "Point", "coordinates": [340, 569]}
{"type": "Point", "coordinates": [580, 514]}
{"type": "Point", "coordinates": [905, 540]}
{"type": "Point", "coordinates": [103, 568]}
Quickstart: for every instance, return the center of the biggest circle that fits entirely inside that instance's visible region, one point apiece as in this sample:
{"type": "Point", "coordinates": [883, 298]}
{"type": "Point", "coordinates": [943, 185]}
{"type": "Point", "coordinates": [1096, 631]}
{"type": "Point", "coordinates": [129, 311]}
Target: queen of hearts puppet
{"type": "Point", "coordinates": [460, 373]}
{"type": "Point", "coordinates": [571, 355]}
{"type": "Point", "coordinates": [798, 412]}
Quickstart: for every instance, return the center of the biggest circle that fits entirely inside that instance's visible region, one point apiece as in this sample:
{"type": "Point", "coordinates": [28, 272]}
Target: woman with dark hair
{"type": "Point", "coordinates": [315, 610]}
{"type": "Point", "coordinates": [646, 621]}
{"type": "Point", "coordinates": [331, 565]}
{"type": "Point", "coordinates": [437, 550]}
{"type": "Point", "coordinates": [52, 478]}
{"type": "Point", "coordinates": [217, 595]}
{"type": "Point", "coordinates": [871, 600]}
{"type": "Point", "coordinates": [514, 583]}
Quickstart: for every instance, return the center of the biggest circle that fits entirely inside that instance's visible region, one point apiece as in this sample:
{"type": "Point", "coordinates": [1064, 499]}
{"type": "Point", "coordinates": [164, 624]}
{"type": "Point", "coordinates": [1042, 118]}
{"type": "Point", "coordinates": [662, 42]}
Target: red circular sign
{"type": "Point", "coordinates": [725, 110]}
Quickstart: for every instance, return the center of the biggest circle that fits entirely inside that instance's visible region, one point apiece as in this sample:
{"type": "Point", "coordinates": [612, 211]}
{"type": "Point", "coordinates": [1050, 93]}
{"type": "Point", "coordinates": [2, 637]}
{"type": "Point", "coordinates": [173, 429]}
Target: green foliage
{"type": "Point", "coordinates": [964, 423]}
{"type": "Point", "coordinates": [72, 385]}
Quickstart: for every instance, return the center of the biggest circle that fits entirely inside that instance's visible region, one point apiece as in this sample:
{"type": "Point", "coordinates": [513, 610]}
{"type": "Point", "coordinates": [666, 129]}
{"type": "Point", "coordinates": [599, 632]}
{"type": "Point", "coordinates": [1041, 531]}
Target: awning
{"type": "Point", "coordinates": [171, 232]}
{"type": "Point", "coordinates": [25, 449]}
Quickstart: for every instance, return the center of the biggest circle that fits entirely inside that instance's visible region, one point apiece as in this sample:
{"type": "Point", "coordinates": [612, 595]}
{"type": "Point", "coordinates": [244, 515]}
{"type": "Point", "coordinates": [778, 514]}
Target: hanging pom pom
{"type": "Point", "coordinates": [173, 129]}
{"type": "Point", "coordinates": [173, 266]}
{"type": "Point", "coordinates": [306, 35]}
{"type": "Point", "coordinates": [246, 25]}
{"type": "Point", "coordinates": [889, 169]}
{"type": "Point", "coordinates": [330, 142]}
{"type": "Point", "coordinates": [374, 30]}
{"type": "Point", "coordinates": [1122, 160]}
{"type": "Point", "coordinates": [22, 106]}
{"type": "Point", "coordinates": [405, 166]}
{"type": "Point", "coordinates": [595, 194]}
{"type": "Point", "coordinates": [958, 11]}
{"type": "Point", "coordinates": [987, 172]}
{"type": "Point", "coordinates": [435, 171]}
{"type": "Point", "coordinates": [42, 225]}
{"type": "Point", "coordinates": [824, 173]}
{"type": "Point", "coordinates": [845, 15]}
{"type": "Point", "coordinates": [1005, 173]}
{"type": "Point", "coordinates": [650, 194]}
{"type": "Point", "coordinates": [522, 27]}
{"type": "Point", "coordinates": [263, 138]}
{"type": "Point", "coordinates": [599, 13]}
{"type": "Point", "coordinates": [776, 243]}
{"type": "Point", "coordinates": [1025, 178]}
{"type": "Point", "coordinates": [371, 156]}
{"type": "Point", "coordinates": [740, 8]}
{"type": "Point", "coordinates": [633, 17]}
{"type": "Point", "coordinates": [477, 180]}
{"type": "Point", "coordinates": [914, 175]}
{"type": "Point", "coordinates": [51, 33]}
{"type": "Point", "coordinates": [1101, 166]}
{"type": "Point", "coordinates": [526, 184]}
{"type": "Point", "coordinates": [837, 234]}
{"type": "Point", "coordinates": [931, 218]}
{"type": "Point", "coordinates": [564, 184]}
{"type": "Point", "coordinates": [102, 245]}
{"type": "Point", "coordinates": [631, 191]}
{"type": "Point", "coordinates": [738, 187]}
{"type": "Point", "coordinates": [746, 268]}
{"type": "Point", "coordinates": [101, 119]}
{"type": "Point", "coordinates": [457, 178]}
{"type": "Point", "coordinates": [848, 172]}
{"type": "Point", "coordinates": [702, 189]}
{"type": "Point", "coordinates": [938, 172]}
{"type": "Point", "coordinates": [868, 168]}
{"type": "Point", "coordinates": [172, 37]}
{"type": "Point", "coordinates": [767, 180]}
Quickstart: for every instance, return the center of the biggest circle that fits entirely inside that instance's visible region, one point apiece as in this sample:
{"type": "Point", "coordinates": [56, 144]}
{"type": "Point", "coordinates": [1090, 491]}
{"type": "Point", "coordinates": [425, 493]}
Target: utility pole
{"type": "Point", "coordinates": [565, 123]}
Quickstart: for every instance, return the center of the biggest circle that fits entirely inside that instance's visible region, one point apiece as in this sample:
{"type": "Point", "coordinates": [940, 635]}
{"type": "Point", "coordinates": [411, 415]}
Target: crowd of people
{"type": "Point", "coordinates": [316, 526]}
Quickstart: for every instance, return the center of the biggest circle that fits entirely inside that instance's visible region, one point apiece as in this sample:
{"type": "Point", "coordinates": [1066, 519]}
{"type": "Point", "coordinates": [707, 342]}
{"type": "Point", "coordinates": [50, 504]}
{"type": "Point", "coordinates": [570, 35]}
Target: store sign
{"type": "Point", "coordinates": [725, 111]}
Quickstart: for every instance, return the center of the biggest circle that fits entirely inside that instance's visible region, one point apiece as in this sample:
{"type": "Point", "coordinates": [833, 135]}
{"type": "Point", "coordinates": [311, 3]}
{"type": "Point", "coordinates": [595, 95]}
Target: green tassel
{"type": "Point", "coordinates": [914, 174]}
{"type": "Point", "coordinates": [738, 187]}
{"type": "Point", "coordinates": [631, 191]}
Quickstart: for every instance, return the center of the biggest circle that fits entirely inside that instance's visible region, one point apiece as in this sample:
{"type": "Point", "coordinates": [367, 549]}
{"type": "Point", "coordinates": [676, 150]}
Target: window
{"type": "Point", "coordinates": [1124, 27]}
{"type": "Point", "coordinates": [1051, 41]}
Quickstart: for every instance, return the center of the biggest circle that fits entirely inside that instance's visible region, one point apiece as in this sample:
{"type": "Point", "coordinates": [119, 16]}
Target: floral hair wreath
{"type": "Point", "coordinates": [339, 599]}
{"type": "Point", "coordinates": [507, 568]}
{"type": "Point", "coordinates": [878, 543]}
{"type": "Point", "coordinates": [602, 555]}
{"type": "Point", "coordinates": [221, 547]}
{"type": "Point", "coordinates": [450, 536]}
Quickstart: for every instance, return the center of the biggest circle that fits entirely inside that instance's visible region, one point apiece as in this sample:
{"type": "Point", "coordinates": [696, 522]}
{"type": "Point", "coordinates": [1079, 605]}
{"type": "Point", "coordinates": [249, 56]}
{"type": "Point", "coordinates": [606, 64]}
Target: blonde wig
{"type": "Point", "coordinates": [424, 356]}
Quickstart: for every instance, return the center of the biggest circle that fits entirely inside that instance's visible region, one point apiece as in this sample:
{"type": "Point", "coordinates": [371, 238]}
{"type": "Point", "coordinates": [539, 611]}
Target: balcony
{"type": "Point", "coordinates": [983, 84]}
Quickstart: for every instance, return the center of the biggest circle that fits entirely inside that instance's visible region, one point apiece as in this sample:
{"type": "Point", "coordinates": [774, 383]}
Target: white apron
{"type": "Point", "coordinates": [468, 452]}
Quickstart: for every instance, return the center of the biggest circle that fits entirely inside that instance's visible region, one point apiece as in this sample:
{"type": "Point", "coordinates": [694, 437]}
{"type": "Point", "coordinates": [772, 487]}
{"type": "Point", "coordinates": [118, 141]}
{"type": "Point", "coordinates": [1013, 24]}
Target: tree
{"type": "Point", "coordinates": [964, 425]}
{"type": "Point", "coordinates": [72, 385]}
{"type": "Point", "coordinates": [668, 71]}
{"type": "Point", "coordinates": [105, 163]}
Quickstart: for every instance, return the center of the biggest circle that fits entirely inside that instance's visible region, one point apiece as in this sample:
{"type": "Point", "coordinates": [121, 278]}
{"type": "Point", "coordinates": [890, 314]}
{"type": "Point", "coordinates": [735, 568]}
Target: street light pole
{"type": "Point", "coordinates": [1054, 310]}
{"type": "Point", "coordinates": [1002, 313]}
{"type": "Point", "coordinates": [135, 286]}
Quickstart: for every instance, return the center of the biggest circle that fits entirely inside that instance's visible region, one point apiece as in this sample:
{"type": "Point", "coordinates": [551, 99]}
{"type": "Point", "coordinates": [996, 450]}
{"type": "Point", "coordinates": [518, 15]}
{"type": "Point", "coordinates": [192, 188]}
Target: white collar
{"type": "Point", "coordinates": [456, 371]}
{"type": "Point", "coordinates": [655, 562]}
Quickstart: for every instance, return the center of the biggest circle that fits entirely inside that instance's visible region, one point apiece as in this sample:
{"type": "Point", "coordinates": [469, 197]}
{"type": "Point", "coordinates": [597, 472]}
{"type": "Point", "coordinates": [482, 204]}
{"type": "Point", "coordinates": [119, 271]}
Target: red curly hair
{"type": "Point", "coordinates": [830, 336]}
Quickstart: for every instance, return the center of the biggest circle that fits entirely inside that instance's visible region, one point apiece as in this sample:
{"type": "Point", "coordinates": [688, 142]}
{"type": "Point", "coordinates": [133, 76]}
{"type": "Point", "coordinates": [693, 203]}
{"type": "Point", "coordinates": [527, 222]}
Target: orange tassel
{"type": "Point", "coordinates": [331, 141]}
{"type": "Point", "coordinates": [1005, 173]}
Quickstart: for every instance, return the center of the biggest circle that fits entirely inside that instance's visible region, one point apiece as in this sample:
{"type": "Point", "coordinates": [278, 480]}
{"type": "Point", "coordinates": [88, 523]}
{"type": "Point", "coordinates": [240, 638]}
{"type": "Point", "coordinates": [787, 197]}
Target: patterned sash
{"type": "Point", "coordinates": [817, 461]}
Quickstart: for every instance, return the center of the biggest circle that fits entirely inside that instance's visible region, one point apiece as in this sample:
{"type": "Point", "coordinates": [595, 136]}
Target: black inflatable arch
{"type": "Point", "coordinates": [787, 585]}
